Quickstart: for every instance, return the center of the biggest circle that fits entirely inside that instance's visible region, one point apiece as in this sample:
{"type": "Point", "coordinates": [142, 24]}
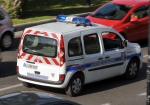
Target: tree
{"type": "Point", "coordinates": [20, 3]}
{"type": "Point", "coordinates": [14, 7]}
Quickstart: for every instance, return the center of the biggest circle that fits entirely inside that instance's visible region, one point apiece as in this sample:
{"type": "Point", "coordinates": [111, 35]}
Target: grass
{"type": "Point", "coordinates": [36, 10]}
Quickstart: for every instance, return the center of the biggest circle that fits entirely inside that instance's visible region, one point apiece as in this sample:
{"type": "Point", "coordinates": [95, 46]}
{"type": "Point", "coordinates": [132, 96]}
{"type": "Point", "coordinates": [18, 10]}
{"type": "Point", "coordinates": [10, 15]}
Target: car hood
{"type": "Point", "coordinates": [106, 22]}
{"type": "Point", "coordinates": [134, 47]}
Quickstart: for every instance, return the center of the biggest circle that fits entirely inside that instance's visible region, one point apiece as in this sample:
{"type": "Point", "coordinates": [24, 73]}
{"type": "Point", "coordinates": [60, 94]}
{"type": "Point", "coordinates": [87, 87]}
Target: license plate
{"type": "Point", "coordinates": [37, 76]}
{"type": "Point", "coordinates": [30, 66]}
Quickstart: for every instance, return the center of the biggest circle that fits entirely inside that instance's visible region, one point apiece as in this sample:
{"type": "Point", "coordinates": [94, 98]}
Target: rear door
{"type": "Point", "coordinates": [92, 54]}
{"type": "Point", "coordinates": [38, 55]}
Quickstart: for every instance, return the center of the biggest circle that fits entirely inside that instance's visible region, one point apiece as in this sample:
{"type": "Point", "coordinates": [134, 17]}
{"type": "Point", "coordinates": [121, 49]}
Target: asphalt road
{"type": "Point", "coordinates": [114, 91]}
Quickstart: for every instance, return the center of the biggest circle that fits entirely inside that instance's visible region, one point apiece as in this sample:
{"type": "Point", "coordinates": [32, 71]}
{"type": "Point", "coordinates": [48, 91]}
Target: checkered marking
{"type": "Point", "coordinates": [35, 58]}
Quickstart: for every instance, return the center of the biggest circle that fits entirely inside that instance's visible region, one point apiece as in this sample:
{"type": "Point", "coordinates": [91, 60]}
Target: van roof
{"type": "Point", "coordinates": [62, 27]}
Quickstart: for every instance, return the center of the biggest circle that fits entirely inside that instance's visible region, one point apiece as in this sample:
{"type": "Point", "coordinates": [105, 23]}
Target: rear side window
{"type": "Point", "coordinates": [91, 43]}
{"type": "Point", "coordinates": [41, 46]}
{"type": "Point", "coordinates": [74, 47]}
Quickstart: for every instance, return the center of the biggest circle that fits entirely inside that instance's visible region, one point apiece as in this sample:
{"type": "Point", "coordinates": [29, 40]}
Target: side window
{"type": "Point", "coordinates": [91, 43]}
{"type": "Point", "coordinates": [141, 12]}
{"type": "Point", "coordinates": [2, 16]}
{"type": "Point", "coordinates": [111, 41]}
{"type": "Point", "coordinates": [74, 47]}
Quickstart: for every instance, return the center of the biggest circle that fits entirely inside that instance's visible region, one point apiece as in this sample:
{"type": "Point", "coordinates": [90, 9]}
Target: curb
{"type": "Point", "coordinates": [21, 27]}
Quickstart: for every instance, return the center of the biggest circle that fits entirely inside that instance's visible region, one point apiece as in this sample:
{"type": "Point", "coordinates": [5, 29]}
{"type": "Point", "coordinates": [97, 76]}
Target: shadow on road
{"type": "Point", "coordinates": [7, 69]}
{"type": "Point", "coordinates": [101, 85]}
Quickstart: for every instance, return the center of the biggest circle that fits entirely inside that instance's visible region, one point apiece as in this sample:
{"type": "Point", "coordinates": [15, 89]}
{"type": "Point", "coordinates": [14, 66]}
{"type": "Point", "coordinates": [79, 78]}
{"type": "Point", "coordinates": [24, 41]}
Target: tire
{"type": "Point", "coordinates": [28, 85]}
{"type": "Point", "coordinates": [132, 69]}
{"type": "Point", "coordinates": [75, 86]}
{"type": "Point", "coordinates": [6, 41]}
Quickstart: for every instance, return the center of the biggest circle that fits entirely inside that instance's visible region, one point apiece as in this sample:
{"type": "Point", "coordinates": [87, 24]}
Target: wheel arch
{"type": "Point", "coordinates": [79, 73]}
{"type": "Point", "coordinates": [137, 58]}
{"type": "Point", "coordinates": [11, 33]}
{"type": "Point", "coordinates": [74, 74]}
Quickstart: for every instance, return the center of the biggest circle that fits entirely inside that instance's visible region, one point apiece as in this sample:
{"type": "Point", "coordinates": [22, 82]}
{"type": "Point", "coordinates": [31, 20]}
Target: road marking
{"type": "Point", "coordinates": [145, 56]}
{"type": "Point", "coordinates": [142, 94]}
{"type": "Point", "coordinates": [106, 104]}
{"type": "Point", "coordinates": [14, 86]}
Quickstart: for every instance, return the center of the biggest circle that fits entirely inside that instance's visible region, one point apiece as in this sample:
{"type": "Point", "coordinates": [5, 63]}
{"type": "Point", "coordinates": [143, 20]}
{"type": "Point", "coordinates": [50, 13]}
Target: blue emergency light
{"type": "Point", "coordinates": [75, 20]}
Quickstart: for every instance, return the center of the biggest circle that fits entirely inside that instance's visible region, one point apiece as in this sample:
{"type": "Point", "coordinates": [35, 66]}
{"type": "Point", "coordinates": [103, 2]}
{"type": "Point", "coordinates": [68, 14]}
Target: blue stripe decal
{"type": "Point", "coordinates": [102, 62]}
{"type": "Point", "coordinates": [132, 55]}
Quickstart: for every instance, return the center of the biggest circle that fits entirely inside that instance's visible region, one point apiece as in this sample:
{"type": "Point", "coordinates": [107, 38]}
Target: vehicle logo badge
{"type": "Point", "coordinates": [52, 74]}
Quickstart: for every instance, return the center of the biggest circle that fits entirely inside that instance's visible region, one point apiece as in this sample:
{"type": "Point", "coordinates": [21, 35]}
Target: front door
{"type": "Point", "coordinates": [114, 55]}
{"type": "Point", "coordinates": [138, 30]}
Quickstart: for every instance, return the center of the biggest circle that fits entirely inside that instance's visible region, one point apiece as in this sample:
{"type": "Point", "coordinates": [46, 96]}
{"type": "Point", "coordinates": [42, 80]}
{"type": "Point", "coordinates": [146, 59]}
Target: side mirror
{"type": "Point", "coordinates": [125, 43]}
{"type": "Point", "coordinates": [134, 19]}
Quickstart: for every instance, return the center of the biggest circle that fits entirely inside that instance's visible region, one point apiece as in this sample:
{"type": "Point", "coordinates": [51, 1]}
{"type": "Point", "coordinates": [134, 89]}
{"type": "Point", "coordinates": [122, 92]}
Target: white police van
{"type": "Point", "coordinates": [73, 52]}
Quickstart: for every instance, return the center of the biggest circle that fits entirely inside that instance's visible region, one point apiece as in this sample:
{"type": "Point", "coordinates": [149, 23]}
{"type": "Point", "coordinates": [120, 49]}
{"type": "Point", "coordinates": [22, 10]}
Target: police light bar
{"type": "Point", "coordinates": [74, 20]}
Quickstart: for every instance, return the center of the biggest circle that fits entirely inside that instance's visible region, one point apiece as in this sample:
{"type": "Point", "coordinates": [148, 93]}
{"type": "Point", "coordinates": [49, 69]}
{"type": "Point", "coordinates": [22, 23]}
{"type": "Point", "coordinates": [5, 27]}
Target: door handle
{"type": "Point", "coordinates": [107, 57]}
{"type": "Point", "coordinates": [100, 58]}
{"type": "Point", "coordinates": [30, 62]}
{"type": "Point", "coordinates": [36, 72]}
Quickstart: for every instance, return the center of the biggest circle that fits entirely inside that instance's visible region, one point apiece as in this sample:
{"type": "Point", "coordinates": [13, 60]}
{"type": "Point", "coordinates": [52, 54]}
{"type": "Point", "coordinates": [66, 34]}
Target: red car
{"type": "Point", "coordinates": [128, 17]}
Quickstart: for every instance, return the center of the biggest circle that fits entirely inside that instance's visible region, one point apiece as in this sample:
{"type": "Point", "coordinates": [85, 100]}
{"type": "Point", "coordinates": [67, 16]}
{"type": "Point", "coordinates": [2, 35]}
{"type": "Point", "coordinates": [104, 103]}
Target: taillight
{"type": "Point", "coordinates": [61, 77]}
{"type": "Point", "coordinates": [17, 69]}
{"type": "Point", "coordinates": [62, 51]}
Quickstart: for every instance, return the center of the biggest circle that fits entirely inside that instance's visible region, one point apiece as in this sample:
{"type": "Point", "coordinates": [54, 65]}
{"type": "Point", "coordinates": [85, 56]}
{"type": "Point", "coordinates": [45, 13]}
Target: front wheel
{"type": "Point", "coordinates": [75, 86]}
{"type": "Point", "coordinates": [132, 69]}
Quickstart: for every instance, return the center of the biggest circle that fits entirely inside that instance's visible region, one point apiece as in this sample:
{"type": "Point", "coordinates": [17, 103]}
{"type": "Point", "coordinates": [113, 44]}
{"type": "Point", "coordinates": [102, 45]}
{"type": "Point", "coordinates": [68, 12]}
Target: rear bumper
{"type": "Point", "coordinates": [56, 84]}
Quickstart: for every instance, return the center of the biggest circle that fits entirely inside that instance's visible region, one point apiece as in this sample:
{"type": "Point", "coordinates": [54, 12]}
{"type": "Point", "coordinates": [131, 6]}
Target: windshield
{"type": "Point", "coordinates": [112, 11]}
{"type": "Point", "coordinates": [39, 45]}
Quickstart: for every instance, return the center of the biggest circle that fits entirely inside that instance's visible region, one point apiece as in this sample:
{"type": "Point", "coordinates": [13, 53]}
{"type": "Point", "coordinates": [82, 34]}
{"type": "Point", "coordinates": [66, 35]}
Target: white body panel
{"type": "Point", "coordinates": [97, 66]}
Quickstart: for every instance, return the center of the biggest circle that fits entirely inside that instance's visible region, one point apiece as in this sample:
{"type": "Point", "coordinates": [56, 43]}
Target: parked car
{"type": "Point", "coordinates": [6, 30]}
{"type": "Point", "coordinates": [119, 15]}
{"type": "Point", "coordinates": [33, 98]}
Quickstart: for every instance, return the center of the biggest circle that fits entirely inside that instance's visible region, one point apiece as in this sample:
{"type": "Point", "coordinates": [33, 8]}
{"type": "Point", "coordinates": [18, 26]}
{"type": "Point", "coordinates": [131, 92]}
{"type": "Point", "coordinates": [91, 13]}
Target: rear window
{"type": "Point", "coordinates": [39, 45]}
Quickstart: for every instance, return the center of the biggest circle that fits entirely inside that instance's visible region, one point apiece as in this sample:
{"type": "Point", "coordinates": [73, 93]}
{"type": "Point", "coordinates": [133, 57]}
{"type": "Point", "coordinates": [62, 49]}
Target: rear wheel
{"type": "Point", "coordinates": [75, 86]}
{"type": "Point", "coordinates": [132, 69]}
{"type": "Point", "coordinates": [6, 41]}
{"type": "Point", "coordinates": [29, 85]}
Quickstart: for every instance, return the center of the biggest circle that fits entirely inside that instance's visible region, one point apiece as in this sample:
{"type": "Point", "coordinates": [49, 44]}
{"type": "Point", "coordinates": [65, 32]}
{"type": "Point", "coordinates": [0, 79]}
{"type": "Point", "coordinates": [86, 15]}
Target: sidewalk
{"type": "Point", "coordinates": [21, 27]}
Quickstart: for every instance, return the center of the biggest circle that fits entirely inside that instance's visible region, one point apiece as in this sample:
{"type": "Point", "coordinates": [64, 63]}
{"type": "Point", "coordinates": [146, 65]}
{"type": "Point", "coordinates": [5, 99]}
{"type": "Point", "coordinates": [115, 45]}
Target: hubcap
{"type": "Point", "coordinates": [6, 41]}
{"type": "Point", "coordinates": [133, 69]}
{"type": "Point", "coordinates": [76, 85]}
